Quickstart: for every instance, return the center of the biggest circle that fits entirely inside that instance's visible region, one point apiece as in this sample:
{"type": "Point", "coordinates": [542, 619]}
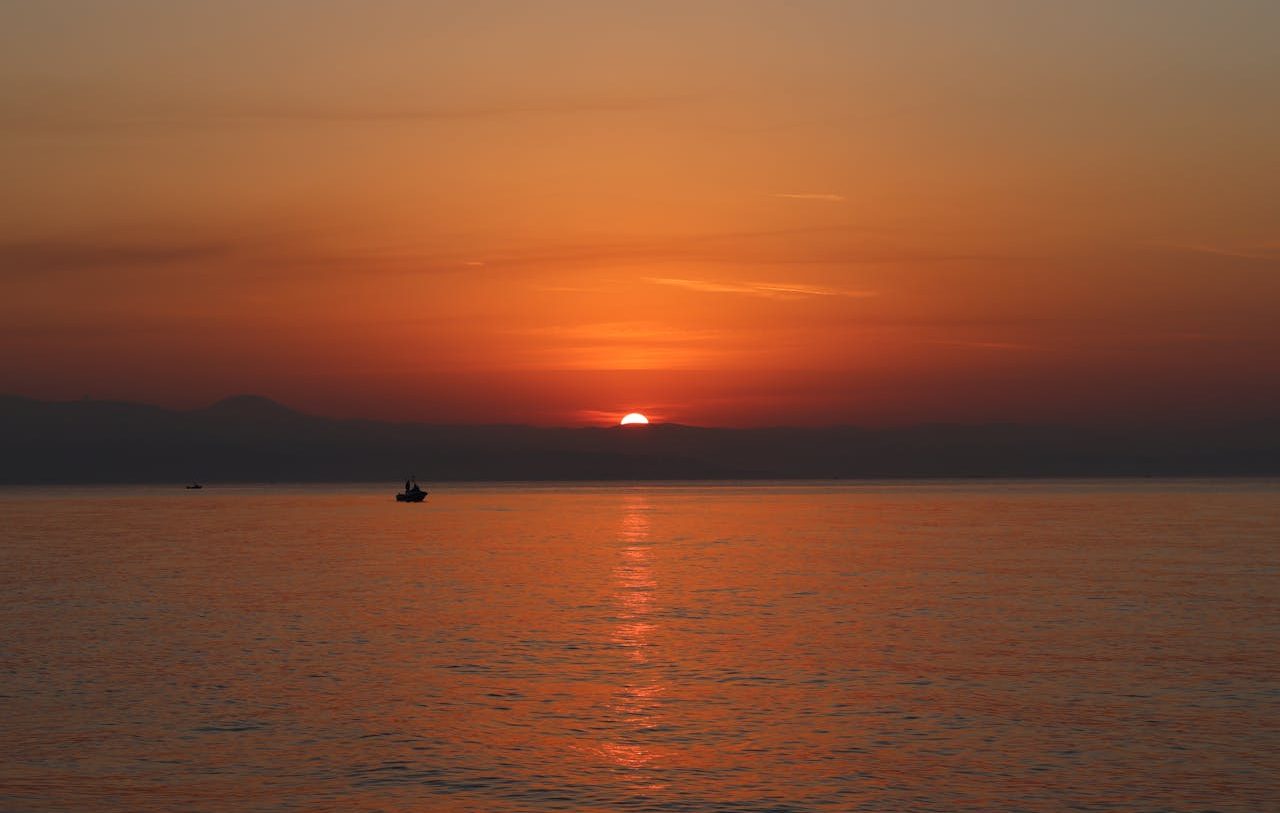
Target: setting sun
{"type": "Point", "coordinates": [328, 311]}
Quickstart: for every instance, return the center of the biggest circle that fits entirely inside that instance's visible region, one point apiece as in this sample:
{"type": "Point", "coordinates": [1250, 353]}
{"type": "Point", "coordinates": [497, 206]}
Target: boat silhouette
{"type": "Point", "coordinates": [412, 492]}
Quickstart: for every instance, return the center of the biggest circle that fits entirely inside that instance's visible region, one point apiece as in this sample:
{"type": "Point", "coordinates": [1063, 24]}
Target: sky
{"type": "Point", "coordinates": [734, 213]}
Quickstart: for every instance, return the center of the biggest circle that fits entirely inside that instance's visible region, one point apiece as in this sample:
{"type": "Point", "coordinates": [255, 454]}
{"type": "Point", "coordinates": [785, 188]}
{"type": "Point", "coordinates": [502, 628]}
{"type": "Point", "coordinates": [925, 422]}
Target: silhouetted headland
{"type": "Point", "coordinates": [254, 439]}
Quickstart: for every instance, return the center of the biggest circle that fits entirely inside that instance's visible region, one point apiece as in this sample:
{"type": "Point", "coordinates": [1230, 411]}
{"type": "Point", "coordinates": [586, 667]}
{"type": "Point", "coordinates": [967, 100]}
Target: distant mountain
{"type": "Point", "coordinates": [248, 407]}
{"type": "Point", "coordinates": [249, 438]}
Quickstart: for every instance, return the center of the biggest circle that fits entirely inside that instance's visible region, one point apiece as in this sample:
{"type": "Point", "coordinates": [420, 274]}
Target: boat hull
{"type": "Point", "coordinates": [412, 496]}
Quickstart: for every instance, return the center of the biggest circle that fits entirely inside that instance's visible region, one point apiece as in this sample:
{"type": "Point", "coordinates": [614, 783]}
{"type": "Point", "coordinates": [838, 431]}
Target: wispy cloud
{"type": "Point", "coordinates": [37, 256]}
{"type": "Point", "coordinates": [1265, 252]}
{"type": "Point", "coordinates": [620, 346]}
{"type": "Point", "coordinates": [286, 252]}
{"type": "Point", "coordinates": [445, 111]}
{"type": "Point", "coordinates": [621, 332]}
{"type": "Point", "coordinates": [87, 106]}
{"type": "Point", "coordinates": [571, 289]}
{"type": "Point", "coordinates": [827, 196]}
{"type": "Point", "coordinates": [772, 290]}
{"type": "Point", "coordinates": [984, 345]}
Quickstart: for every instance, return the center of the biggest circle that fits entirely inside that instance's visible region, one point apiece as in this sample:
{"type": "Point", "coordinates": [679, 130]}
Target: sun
{"type": "Point", "coordinates": [632, 418]}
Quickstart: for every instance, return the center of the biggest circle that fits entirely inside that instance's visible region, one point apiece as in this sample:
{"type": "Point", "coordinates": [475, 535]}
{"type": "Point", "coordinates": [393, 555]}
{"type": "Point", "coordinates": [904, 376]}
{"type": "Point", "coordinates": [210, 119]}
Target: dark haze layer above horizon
{"type": "Point", "coordinates": [250, 438]}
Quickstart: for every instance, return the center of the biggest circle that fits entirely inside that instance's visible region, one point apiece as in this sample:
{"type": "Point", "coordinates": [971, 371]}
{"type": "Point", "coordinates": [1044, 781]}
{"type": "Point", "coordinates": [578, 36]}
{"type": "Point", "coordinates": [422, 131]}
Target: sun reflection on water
{"type": "Point", "coordinates": [636, 705]}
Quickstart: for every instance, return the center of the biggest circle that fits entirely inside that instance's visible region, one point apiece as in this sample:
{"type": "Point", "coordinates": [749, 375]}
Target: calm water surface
{"type": "Point", "coordinates": [929, 647]}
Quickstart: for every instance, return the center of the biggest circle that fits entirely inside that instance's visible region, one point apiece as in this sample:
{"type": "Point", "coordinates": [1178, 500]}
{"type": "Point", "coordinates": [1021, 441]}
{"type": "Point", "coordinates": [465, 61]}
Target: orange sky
{"type": "Point", "coordinates": [720, 213]}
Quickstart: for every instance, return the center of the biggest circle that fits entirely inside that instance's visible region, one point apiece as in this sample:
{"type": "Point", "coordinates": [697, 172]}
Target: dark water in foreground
{"type": "Point", "coordinates": [944, 647]}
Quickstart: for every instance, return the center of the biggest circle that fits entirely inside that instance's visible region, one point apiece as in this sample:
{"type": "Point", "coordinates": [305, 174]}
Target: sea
{"type": "Point", "coordinates": [686, 647]}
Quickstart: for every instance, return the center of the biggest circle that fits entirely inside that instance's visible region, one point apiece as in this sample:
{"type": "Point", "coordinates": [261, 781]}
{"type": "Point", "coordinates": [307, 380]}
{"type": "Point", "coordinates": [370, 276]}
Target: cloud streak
{"type": "Point", "coordinates": [1263, 252]}
{"type": "Point", "coordinates": [37, 256]}
{"type": "Point", "coordinates": [621, 332]}
{"type": "Point", "coordinates": [830, 197]}
{"type": "Point", "coordinates": [621, 346]}
{"type": "Point", "coordinates": [770, 290]}
{"type": "Point", "coordinates": [87, 107]}
{"type": "Point", "coordinates": [984, 345]}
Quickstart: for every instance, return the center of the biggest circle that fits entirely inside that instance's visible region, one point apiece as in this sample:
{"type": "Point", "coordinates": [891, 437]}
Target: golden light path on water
{"type": "Point", "coordinates": [637, 702]}
{"type": "Point", "coordinates": [809, 648]}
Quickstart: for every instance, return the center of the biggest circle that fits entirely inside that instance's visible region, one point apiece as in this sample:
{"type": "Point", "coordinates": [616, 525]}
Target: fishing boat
{"type": "Point", "coordinates": [194, 485]}
{"type": "Point", "coordinates": [412, 491]}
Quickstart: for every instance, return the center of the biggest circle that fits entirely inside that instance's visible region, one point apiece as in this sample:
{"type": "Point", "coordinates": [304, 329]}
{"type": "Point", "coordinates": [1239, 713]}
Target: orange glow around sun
{"type": "Point", "coordinates": [481, 254]}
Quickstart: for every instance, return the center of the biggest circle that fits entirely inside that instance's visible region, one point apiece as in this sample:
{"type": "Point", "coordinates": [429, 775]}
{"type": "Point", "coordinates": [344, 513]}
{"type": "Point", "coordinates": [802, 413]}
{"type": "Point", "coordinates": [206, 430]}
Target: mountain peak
{"type": "Point", "coordinates": [248, 406]}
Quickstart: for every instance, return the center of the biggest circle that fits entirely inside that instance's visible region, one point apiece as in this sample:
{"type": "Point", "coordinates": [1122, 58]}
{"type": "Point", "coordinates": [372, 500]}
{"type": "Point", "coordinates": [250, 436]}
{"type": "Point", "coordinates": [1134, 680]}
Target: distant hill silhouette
{"type": "Point", "coordinates": [249, 438]}
{"type": "Point", "coordinates": [248, 408]}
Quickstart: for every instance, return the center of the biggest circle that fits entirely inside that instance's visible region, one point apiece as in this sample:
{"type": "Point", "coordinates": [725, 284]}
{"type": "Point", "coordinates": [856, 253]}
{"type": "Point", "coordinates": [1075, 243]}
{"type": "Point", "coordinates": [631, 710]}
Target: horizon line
{"type": "Point", "coordinates": [1145, 423]}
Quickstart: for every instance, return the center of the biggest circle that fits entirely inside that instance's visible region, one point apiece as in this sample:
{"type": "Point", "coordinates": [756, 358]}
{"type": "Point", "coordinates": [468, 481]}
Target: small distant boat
{"type": "Point", "coordinates": [412, 491]}
{"type": "Point", "coordinates": [195, 485]}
